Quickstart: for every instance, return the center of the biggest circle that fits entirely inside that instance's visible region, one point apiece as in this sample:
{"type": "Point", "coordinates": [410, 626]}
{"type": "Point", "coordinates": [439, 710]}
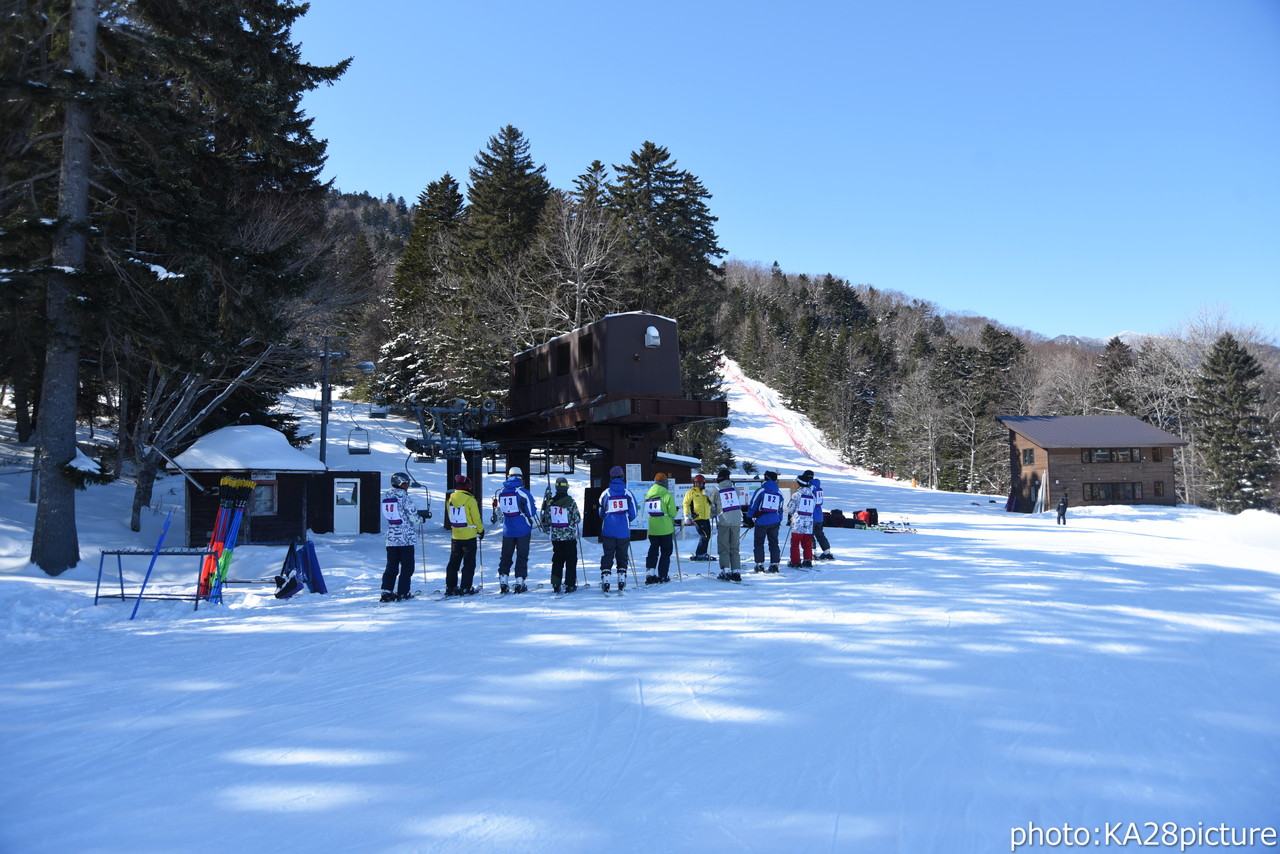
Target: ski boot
{"type": "Point", "coordinates": [791, 564]}
{"type": "Point", "coordinates": [652, 579]}
{"type": "Point", "coordinates": [387, 596]}
{"type": "Point", "coordinates": [806, 564]}
{"type": "Point", "coordinates": [403, 597]}
{"type": "Point", "coordinates": [504, 583]}
{"type": "Point", "coordinates": [826, 556]}
{"type": "Point", "coordinates": [735, 576]}
{"type": "Point", "coordinates": [759, 567]}
{"type": "Point", "coordinates": [605, 575]}
{"type": "Point", "coordinates": [521, 586]}
{"type": "Point", "coordinates": [773, 567]}
{"type": "Point", "coordinates": [470, 591]}
{"type": "Point", "coordinates": [452, 591]}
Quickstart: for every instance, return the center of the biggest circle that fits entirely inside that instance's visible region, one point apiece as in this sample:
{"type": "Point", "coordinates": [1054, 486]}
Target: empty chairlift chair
{"type": "Point", "coordinates": [358, 441]}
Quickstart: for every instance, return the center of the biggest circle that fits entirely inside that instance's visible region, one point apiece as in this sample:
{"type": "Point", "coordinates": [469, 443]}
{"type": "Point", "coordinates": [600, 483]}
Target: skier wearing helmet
{"type": "Point", "coordinates": [560, 516]}
{"type": "Point", "coordinates": [464, 520]}
{"type": "Point", "coordinates": [697, 509]}
{"type": "Point", "coordinates": [399, 510]}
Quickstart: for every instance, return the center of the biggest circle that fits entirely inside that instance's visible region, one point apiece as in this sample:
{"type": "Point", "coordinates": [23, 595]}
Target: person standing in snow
{"type": "Point", "coordinates": [660, 507]}
{"type": "Point", "coordinates": [400, 512]}
{"type": "Point", "coordinates": [1062, 509]}
{"type": "Point", "coordinates": [516, 504]}
{"type": "Point", "coordinates": [726, 508]}
{"type": "Point", "coordinates": [617, 510]}
{"type": "Point", "coordinates": [800, 514]}
{"type": "Point", "coordinates": [764, 513]}
{"type": "Point", "coordinates": [560, 516]}
{"type": "Point", "coordinates": [819, 520]}
{"type": "Point", "coordinates": [463, 515]}
{"type": "Point", "coordinates": [697, 509]}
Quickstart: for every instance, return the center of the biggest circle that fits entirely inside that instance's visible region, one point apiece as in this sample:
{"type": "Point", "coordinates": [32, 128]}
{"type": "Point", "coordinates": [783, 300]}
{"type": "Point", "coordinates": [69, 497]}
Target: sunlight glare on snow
{"type": "Point", "coordinates": [313, 756]}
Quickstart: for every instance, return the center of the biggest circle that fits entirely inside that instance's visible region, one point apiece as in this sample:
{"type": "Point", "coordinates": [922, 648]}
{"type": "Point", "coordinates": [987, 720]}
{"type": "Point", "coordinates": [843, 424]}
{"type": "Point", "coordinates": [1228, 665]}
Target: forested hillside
{"type": "Point", "coordinates": [900, 386]}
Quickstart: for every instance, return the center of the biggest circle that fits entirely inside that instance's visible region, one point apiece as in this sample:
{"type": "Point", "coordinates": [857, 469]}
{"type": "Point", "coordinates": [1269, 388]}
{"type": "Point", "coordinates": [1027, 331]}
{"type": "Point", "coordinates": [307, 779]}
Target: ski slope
{"type": "Point", "coordinates": [927, 692]}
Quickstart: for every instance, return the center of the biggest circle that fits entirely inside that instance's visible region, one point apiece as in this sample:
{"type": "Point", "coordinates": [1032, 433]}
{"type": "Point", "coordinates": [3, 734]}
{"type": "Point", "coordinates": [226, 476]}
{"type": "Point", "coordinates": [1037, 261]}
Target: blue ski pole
{"type": "Point", "coordinates": [155, 554]}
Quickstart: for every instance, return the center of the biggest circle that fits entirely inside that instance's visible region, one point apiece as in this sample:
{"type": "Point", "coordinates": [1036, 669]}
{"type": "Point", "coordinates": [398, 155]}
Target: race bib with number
{"type": "Point", "coordinates": [559, 517]}
{"type": "Point", "coordinates": [616, 504]}
{"type": "Point", "coordinates": [771, 501]}
{"type": "Point", "coordinates": [391, 510]}
{"type": "Point", "coordinates": [509, 504]}
{"type": "Point", "coordinates": [805, 505]}
{"type": "Point", "coordinates": [654, 506]}
{"type": "Point", "coordinates": [458, 516]}
{"type": "Point", "coordinates": [729, 499]}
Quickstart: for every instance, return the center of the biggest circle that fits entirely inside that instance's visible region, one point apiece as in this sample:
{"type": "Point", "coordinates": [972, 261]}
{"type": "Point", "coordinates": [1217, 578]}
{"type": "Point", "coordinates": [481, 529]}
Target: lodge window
{"type": "Point", "coordinates": [585, 345]}
{"type": "Point", "coordinates": [1158, 488]}
{"type": "Point", "coordinates": [265, 501]}
{"type": "Point", "coordinates": [562, 359]}
{"type": "Point", "coordinates": [1110, 455]}
{"type": "Point", "coordinates": [544, 366]}
{"type": "Point", "coordinates": [1028, 456]}
{"type": "Point", "coordinates": [1113, 492]}
{"type": "Point", "coordinates": [1157, 454]}
{"type": "Point", "coordinates": [524, 373]}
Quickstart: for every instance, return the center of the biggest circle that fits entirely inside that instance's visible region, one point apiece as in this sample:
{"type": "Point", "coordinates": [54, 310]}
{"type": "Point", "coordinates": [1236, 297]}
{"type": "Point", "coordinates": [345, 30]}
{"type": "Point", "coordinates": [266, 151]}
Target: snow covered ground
{"type": "Point", "coordinates": [943, 691]}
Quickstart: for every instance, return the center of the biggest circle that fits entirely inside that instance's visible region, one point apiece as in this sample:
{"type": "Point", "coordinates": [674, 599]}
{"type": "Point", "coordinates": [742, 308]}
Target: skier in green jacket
{"type": "Point", "coordinates": [661, 509]}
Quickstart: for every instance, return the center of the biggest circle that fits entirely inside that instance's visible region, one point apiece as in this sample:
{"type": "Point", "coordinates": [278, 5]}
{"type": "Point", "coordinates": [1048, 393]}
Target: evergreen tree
{"type": "Point", "coordinates": [424, 309]}
{"type": "Point", "coordinates": [431, 251]}
{"type": "Point", "coordinates": [182, 207]}
{"type": "Point", "coordinates": [1239, 451]}
{"type": "Point", "coordinates": [504, 202]}
{"type": "Point", "coordinates": [1115, 368]}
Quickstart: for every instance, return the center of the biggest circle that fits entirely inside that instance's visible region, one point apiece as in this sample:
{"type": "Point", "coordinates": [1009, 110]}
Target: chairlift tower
{"type": "Point", "coordinates": [608, 392]}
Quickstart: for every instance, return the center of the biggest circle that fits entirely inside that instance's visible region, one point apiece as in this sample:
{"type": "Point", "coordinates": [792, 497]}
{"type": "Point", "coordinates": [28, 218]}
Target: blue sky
{"type": "Point", "coordinates": [1085, 167]}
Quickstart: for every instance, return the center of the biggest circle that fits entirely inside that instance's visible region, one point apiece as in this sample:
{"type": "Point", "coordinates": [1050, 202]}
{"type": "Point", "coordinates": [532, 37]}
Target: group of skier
{"type": "Point", "coordinates": [617, 508]}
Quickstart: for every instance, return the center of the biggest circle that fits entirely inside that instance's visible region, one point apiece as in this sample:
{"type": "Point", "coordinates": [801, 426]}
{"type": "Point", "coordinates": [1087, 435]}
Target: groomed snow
{"type": "Point", "coordinates": [926, 692]}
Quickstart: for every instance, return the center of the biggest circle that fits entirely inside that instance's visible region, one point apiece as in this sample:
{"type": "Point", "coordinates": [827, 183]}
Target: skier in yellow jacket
{"type": "Point", "coordinates": [697, 509]}
{"type": "Point", "coordinates": [468, 529]}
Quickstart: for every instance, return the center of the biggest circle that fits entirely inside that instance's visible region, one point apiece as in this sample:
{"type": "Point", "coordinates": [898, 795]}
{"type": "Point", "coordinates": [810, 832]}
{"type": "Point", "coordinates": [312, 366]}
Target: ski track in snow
{"type": "Point", "coordinates": [923, 693]}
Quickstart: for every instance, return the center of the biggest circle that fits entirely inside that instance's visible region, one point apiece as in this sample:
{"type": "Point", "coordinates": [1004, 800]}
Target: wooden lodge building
{"type": "Point", "coordinates": [1092, 459]}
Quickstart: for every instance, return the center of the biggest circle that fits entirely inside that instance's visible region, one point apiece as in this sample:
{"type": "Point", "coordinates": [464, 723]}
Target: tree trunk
{"type": "Point", "coordinates": [55, 543]}
{"type": "Point", "coordinates": [144, 485]}
{"type": "Point", "coordinates": [22, 410]}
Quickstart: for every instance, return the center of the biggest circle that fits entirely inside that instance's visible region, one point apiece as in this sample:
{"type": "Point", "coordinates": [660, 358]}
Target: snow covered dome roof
{"type": "Point", "coordinates": [244, 447]}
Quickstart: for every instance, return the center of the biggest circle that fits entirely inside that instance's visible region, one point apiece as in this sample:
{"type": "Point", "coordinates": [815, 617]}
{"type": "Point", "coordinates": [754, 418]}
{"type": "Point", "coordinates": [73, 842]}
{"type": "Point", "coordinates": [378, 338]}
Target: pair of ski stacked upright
{"type": "Point", "coordinates": [234, 496]}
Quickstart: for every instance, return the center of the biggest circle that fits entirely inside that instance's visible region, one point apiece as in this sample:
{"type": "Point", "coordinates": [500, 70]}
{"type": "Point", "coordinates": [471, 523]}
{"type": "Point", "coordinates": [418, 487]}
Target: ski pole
{"type": "Point", "coordinates": [632, 563]}
{"type": "Point", "coordinates": [679, 571]}
{"type": "Point", "coordinates": [422, 548]}
{"type": "Point", "coordinates": [155, 554]}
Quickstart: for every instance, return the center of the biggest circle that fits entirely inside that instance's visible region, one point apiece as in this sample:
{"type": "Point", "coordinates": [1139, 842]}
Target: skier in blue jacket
{"type": "Point", "coordinates": [764, 513]}
{"type": "Point", "coordinates": [617, 508]}
{"type": "Point", "coordinates": [517, 506]}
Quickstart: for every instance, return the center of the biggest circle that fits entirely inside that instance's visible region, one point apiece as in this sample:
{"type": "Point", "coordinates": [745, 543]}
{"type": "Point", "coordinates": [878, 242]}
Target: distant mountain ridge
{"type": "Point", "coordinates": [1097, 345]}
